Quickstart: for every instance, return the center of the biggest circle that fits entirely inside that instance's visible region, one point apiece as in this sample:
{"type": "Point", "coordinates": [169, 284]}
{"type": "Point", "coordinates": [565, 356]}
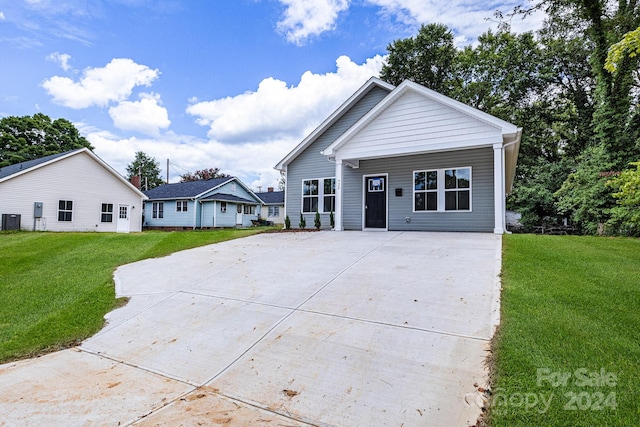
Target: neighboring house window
{"type": "Point", "coordinates": [249, 209]}
{"type": "Point", "coordinates": [106, 214]}
{"type": "Point", "coordinates": [65, 210]}
{"type": "Point", "coordinates": [316, 190]}
{"type": "Point", "coordinates": [158, 210]}
{"type": "Point", "coordinates": [181, 206]}
{"type": "Point", "coordinates": [442, 190]}
{"type": "Point", "coordinates": [274, 210]}
{"type": "Point", "coordinates": [223, 207]}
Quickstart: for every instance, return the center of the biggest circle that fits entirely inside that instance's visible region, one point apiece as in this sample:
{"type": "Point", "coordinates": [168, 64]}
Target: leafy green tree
{"type": "Point", "coordinates": [203, 175]}
{"type": "Point", "coordinates": [31, 137]}
{"type": "Point", "coordinates": [625, 216]}
{"type": "Point", "coordinates": [585, 195]}
{"type": "Point", "coordinates": [147, 168]}
{"type": "Point", "coordinates": [428, 59]}
{"type": "Point", "coordinates": [629, 45]}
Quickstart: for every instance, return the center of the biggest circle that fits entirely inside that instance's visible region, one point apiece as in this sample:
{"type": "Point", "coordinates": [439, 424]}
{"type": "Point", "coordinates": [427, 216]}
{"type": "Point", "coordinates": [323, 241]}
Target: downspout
{"type": "Point", "coordinates": [195, 211]}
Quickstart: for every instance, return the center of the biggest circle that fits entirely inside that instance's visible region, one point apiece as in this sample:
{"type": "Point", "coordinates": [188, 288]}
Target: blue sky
{"type": "Point", "coordinates": [234, 84]}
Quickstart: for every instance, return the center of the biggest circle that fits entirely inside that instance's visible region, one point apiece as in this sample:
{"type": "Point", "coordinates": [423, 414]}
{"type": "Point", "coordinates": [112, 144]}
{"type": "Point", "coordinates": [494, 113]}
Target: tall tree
{"type": "Point", "coordinates": [31, 137]}
{"type": "Point", "coordinates": [147, 168]}
{"type": "Point", "coordinates": [203, 175]}
{"type": "Point", "coordinates": [428, 59]}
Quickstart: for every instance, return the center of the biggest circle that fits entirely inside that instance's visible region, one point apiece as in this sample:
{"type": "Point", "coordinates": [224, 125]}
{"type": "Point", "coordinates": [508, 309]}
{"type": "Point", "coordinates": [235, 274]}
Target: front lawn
{"type": "Point", "coordinates": [568, 349]}
{"type": "Point", "coordinates": [55, 288]}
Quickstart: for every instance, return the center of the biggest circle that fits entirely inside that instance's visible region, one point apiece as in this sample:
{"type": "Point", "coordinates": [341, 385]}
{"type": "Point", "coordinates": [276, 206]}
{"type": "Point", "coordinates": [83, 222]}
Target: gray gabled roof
{"type": "Point", "coordinates": [272, 197]}
{"type": "Point", "coordinates": [185, 190]}
{"type": "Point", "coordinates": [23, 166]}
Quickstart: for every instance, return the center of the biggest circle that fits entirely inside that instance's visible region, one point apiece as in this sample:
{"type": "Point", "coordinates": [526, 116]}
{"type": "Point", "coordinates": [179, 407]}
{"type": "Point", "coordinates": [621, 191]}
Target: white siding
{"type": "Point", "coordinates": [78, 178]}
{"type": "Point", "coordinates": [415, 123]}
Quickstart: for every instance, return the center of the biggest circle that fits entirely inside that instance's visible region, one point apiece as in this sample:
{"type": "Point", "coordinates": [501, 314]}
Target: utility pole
{"type": "Point", "coordinates": [167, 171]}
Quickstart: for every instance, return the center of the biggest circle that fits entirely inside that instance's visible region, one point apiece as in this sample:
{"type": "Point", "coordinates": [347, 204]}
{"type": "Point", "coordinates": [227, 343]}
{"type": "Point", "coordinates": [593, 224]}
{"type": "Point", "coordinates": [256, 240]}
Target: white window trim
{"type": "Point", "coordinates": [103, 212]}
{"type": "Point", "coordinates": [182, 203]}
{"type": "Point", "coordinates": [155, 213]}
{"type": "Point", "coordinates": [441, 190]}
{"type": "Point", "coordinates": [320, 194]}
{"type": "Point", "coordinates": [73, 204]}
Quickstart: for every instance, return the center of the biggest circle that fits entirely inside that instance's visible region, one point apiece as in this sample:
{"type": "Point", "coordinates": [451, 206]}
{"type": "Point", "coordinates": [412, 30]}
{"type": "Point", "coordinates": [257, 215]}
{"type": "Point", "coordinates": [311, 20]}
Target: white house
{"type": "Point", "coordinates": [71, 191]}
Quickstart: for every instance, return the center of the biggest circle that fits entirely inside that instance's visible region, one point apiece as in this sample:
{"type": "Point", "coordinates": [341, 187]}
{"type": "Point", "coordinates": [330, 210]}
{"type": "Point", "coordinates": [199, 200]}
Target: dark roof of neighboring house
{"type": "Point", "coordinates": [228, 198]}
{"type": "Point", "coordinates": [185, 189]}
{"type": "Point", "coordinates": [18, 167]}
{"type": "Point", "coordinates": [272, 197]}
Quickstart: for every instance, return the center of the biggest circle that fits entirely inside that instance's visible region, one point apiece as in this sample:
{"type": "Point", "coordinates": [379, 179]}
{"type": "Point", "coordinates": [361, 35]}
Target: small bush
{"type": "Point", "coordinates": [316, 221]}
{"type": "Point", "coordinates": [332, 220]}
{"type": "Point", "coordinates": [287, 222]}
{"type": "Point", "coordinates": [303, 223]}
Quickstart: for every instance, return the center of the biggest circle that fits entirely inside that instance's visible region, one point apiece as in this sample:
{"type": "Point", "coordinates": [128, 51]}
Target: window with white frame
{"type": "Point", "coordinates": [157, 210]}
{"type": "Point", "coordinates": [106, 213]}
{"type": "Point", "coordinates": [181, 206]}
{"type": "Point", "coordinates": [274, 211]}
{"type": "Point", "coordinates": [318, 195]}
{"type": "Point", "coordinates": [223, 207]}
{"type": "Point", "coordinates": [249, 209]}
{"type": "Point", "coordinates": [65, 210]}
{"type": "Point", "coordinates": [440, 190]}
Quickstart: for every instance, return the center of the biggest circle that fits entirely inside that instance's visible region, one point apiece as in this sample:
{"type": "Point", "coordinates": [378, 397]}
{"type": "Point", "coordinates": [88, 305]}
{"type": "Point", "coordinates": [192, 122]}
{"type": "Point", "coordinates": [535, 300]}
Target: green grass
{"type": "Point", "coordinates": [570, 306]}
{"type": "Point", "coordinates": [55, 288]}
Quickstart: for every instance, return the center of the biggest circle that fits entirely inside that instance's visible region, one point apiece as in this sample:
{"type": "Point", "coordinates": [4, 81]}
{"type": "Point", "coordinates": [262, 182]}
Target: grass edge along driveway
{"type": "Point", "coordinates": [57, 287]}
{"type": "Point", "coordinates": [567, 351]}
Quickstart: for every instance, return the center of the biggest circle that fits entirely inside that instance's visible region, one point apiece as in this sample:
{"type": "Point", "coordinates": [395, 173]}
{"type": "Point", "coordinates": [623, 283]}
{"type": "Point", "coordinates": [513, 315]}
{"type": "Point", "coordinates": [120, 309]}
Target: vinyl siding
{"type": "Point", "coordinates": [400, 171]}
{"type": "Point", "coordinates": [171, 217]}
{"type": "Point", "coordinates": [78, 178]}
{"type": "Point", "coordinates": [311, 164]}
{"type": "Point", "coordinates": [415, 123]}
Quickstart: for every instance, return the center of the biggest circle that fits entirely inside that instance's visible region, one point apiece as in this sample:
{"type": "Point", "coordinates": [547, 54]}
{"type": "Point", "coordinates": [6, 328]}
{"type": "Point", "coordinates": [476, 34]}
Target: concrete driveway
{"type": "Point", "coordinates": [323, 328]}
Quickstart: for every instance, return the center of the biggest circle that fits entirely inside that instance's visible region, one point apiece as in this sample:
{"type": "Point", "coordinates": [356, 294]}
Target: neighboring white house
{"type": "Point", "coordinates": [404, 158]}
{"type": "Point", "coordinates": [273, 206]}
{"type": "Point", "coordinates": [71, 191]}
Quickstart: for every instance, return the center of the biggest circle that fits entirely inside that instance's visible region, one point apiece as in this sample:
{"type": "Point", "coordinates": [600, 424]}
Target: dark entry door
{"type": "Point", "coordinates": [375, 202]}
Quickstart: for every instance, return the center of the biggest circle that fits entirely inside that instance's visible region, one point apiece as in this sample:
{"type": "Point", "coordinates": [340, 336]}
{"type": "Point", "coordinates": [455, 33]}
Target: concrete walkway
{"type": "Point", "coordinates": [323, 328]}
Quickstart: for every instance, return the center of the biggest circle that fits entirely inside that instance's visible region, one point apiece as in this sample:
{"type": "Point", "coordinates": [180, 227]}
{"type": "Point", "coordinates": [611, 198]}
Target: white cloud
{"type": "Point", "coordinates": [2, 18]}
{"type": "Point", "coordinates": [61, 59]}
{"type": "Point", "coordinates": [146, 116]}
{"type": "Point", "coordinates": [467, 18]}
{"type": "Point", "coordinates": [304, 19]}
{"type": "Point", "coordinates": [252, 162]}
{"type": "Point", "coordinates": [277, 111]}
{"type": "Point", "coordinates": [307, 18]}
{"type": "Point", "coordinates": [99, 86]}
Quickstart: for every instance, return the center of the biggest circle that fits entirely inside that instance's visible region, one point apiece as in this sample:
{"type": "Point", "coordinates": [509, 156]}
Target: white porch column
{"type": "Point", "coordinates": [498, 189]}
{"type": "Point", "coordinates": [338, 213]}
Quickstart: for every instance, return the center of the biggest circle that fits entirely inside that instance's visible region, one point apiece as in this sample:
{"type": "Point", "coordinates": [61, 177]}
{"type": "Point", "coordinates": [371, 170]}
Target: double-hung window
{"type": "Point", "coordinates": [457, 189]}
{"type": "Point", "coordinates": [181, 206]}
{"type": "Point", "coordinates": [106, 214]}
{"type": "Point", "coordinates": [249, 210]}
{"type": "Point", "coordinates": [223, 207]}
{"type": "Point", "coordinates": [158, 210]}
{"type": "Point", "coordinates": [65, 210]}
{"type": "Point", "coordinates": [318, 194]}
{"type": "Point", "coordinates": [440, 190]}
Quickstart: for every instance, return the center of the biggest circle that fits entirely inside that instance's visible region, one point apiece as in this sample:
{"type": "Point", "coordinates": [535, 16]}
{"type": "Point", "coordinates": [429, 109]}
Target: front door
{"type": "Point", "coordinates": [122, 226]}
{"type": "Point", "coordinates": [375, 201]}
{"type": "Point", "coordinates": [239, 215]}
